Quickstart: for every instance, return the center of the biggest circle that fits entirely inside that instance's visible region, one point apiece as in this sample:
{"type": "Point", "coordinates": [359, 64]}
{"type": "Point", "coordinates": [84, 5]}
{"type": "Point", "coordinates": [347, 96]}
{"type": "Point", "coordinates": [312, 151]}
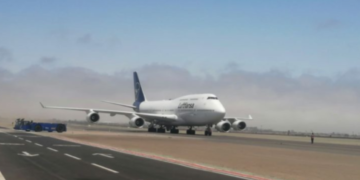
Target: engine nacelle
{"type": "Point", "coordinates": [136, 122]}
{"type": "Point", "coordinates": [223, 126]}
{"type": "Point", "coordinates": [93, 117]}
{"type": "Point", "coordinates": [239, 125]}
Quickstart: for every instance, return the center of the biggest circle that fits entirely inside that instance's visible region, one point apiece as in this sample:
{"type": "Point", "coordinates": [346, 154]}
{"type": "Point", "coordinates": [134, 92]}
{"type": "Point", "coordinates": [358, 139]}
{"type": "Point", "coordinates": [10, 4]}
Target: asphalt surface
{"type": "Point", "coordinates": [303, 146]}
{"type": "Point", "coordinates": [28, 156]}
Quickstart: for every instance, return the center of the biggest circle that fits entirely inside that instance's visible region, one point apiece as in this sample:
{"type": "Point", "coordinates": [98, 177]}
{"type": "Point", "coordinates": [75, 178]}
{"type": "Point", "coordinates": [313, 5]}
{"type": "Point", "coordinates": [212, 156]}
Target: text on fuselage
{"type": "Point", "coordinates": [186, 105]}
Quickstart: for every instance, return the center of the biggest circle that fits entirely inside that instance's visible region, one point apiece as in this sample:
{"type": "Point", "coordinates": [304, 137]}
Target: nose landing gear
{"type": "Point", "coordinates": [208, 131]}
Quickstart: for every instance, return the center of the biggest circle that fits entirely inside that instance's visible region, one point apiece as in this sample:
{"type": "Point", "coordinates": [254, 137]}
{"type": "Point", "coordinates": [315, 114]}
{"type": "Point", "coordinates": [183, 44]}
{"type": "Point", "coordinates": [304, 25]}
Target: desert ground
{"type": "Point", "coordinates": [275, 157]}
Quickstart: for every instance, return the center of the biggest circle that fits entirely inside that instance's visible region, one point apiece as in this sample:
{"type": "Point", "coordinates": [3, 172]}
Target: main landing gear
{"type": "Point", "coordinates": [190, 131]}
{"type": "Point", "coordinates": [173, 130]}
{"type": "Point", "coordinates": [152, 128]}
{"type": "Point", "coordinates": [161, 129]}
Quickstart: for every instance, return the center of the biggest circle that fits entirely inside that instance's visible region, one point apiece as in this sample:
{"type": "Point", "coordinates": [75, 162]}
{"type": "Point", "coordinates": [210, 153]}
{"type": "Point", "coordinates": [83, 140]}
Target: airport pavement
{"type": "Point", "coordinates": [303, 146]}
{"type": "Point", "coordinates": [28, 156]}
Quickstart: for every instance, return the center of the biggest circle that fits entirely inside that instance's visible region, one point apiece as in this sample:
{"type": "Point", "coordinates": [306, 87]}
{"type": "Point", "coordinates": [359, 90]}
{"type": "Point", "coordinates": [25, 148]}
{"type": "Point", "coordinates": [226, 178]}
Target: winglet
{"type": "Point", "coordinates": [42, 105]}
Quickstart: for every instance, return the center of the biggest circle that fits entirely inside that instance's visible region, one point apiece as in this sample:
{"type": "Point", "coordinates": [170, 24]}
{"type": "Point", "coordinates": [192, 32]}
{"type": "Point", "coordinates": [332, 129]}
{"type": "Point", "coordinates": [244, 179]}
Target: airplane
{"type": "Point", "coordinates": [190, 110]}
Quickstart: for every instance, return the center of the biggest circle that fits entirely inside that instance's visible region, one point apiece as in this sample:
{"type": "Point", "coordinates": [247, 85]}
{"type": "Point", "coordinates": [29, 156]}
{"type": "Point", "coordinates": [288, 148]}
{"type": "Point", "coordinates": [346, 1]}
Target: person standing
{"type": "Point", "coordinates": [312, 138]}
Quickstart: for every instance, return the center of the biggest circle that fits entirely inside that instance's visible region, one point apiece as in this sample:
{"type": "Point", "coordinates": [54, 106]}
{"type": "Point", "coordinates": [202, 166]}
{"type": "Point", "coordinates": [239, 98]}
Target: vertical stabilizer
{"type": "Point", "coordinates": [139, 94]}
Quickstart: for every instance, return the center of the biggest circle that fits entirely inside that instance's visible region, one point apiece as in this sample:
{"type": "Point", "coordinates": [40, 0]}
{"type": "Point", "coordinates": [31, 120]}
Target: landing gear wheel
{"type": "Point", "coordinates": [151, 129]}
{"type": "Point", "coordinates": [190, 131]}
{"type": "Point", "coordinates": [208, 131]}
{"type": "Point", "coordinates": [161, 130]}
{"type": "Point", "coordinates": [174, 131]}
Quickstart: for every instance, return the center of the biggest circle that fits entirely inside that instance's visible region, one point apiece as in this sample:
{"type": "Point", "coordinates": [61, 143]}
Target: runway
{"type": "Point", "coordinates": [29, 156]}
{"type": "Point", "coordinates": [303, 146]}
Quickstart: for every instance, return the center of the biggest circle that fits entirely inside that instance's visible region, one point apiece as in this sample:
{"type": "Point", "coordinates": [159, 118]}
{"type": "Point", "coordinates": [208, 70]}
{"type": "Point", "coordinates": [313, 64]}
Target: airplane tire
{"type": "Point", "coordinates": [161, 130]}
{"type": "Point", "coordinates": [208, 133]}
{"type": "Point", "coordinates": [174, 131]}
{"type": "Point", "coordinates": [191, 132]}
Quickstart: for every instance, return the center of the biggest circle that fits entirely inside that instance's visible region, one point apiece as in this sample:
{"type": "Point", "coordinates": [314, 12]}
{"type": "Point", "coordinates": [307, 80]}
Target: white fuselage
{"type": "Point", "coordinates": [191, 110]}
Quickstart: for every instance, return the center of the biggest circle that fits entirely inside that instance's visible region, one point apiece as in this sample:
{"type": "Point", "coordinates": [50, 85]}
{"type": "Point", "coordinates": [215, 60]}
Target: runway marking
{"type": "Point", "coordinates": [12, 144]}
{"type": "Point", "coordinates": [72, 156]}
{"type": "Point", "coordinates": [172, 161]}
{"type": "Point", "coordinates": [24, 153]}
{"type": "Point", "coordinates": [105, 168]}
{"type": "Point", "coordinates": [105, 155]}
{"type": "Point", "coordinates": [66, 145]}
{"type": "Point", "coordinates": [15, 136]}
{"type": "Point", "coordinates": [38, 144]}
{"type": "Point", "coordinates": [51, 149]}
{"type": "Point", "coordinates": [28, 141]}
{"type": "Point", "coordinates": [29, 136]}
{"type": "Point", "coordinates": [21, 138]}
{"type": "Point", "coordinates": [1, 176]}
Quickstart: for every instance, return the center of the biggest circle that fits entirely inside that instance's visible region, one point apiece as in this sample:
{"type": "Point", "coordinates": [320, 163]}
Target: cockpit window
{"type": "Point", "coordinates": [212, 98]}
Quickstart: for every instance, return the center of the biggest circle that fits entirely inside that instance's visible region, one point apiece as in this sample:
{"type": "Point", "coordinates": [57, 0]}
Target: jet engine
{"type": "Point", "coordinates": [136, 122]}
{"type": "Point", "coordinates": [239, 125]}
{"type": "Point", "coordinates": [223, 126]}
{"type": "Point", "coordinates": [93, 117]}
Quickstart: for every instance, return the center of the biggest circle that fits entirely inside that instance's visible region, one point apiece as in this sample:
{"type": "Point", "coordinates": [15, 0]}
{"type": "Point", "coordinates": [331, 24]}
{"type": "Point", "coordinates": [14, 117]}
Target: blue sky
{"type": "Point", "coordinates": [206, 37]}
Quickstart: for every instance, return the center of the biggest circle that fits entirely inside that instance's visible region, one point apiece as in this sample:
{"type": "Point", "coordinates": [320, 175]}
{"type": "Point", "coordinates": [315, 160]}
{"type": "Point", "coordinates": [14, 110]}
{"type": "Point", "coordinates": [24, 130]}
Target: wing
{"type": "Point", "coordinates": [232, 119]}
{"type": "Point", "coordinates": [147, 116]}
{"type": "Point", "coordinates": [119, 104]}
{"type": "Point", "coordinates": [161, 117]}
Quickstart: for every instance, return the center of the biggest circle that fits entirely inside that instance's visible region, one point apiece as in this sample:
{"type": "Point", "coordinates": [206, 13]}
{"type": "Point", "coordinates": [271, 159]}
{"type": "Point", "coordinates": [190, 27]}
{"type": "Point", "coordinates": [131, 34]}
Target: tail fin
{"type": "Point", "coordinates": [139, 94]}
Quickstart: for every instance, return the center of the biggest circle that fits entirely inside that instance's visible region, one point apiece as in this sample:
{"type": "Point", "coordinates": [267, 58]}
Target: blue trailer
{"type": "Point", "coordinates": [21, 124]}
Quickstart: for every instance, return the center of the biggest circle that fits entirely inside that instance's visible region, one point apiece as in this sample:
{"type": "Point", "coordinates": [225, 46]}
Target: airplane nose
{"type": "Point", "coordinates": [220, 110]}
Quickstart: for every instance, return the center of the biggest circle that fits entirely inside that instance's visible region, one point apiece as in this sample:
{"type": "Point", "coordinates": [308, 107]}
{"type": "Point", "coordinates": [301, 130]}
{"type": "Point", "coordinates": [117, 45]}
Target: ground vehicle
{"type": "Point", "coordinates": [21, 124]}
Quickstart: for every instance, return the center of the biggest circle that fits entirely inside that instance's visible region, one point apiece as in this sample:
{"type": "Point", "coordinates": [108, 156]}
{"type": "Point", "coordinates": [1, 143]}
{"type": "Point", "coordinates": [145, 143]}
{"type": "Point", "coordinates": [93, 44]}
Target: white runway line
{"type": "Point", "coordinates": [28, 141]}
{"type": "Point", "coordinates": [12, 144]}
{"type": "Point", "coordinates": [66, 145]}
{"type": "Point", "coordinates": [102, 167]}
{"type": "Point", "coordinates": [1, 176]}
{"type": "Point", "coordinates": [21, 138]}
{"type": "Point", "coordinates": [38, 144]}
{"type": "Point", "coordinates": [74, 157]}
{"type": "Point", "coordinates": [51, 149]}
{"type": "Point", "coordinates": [15, 136]}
